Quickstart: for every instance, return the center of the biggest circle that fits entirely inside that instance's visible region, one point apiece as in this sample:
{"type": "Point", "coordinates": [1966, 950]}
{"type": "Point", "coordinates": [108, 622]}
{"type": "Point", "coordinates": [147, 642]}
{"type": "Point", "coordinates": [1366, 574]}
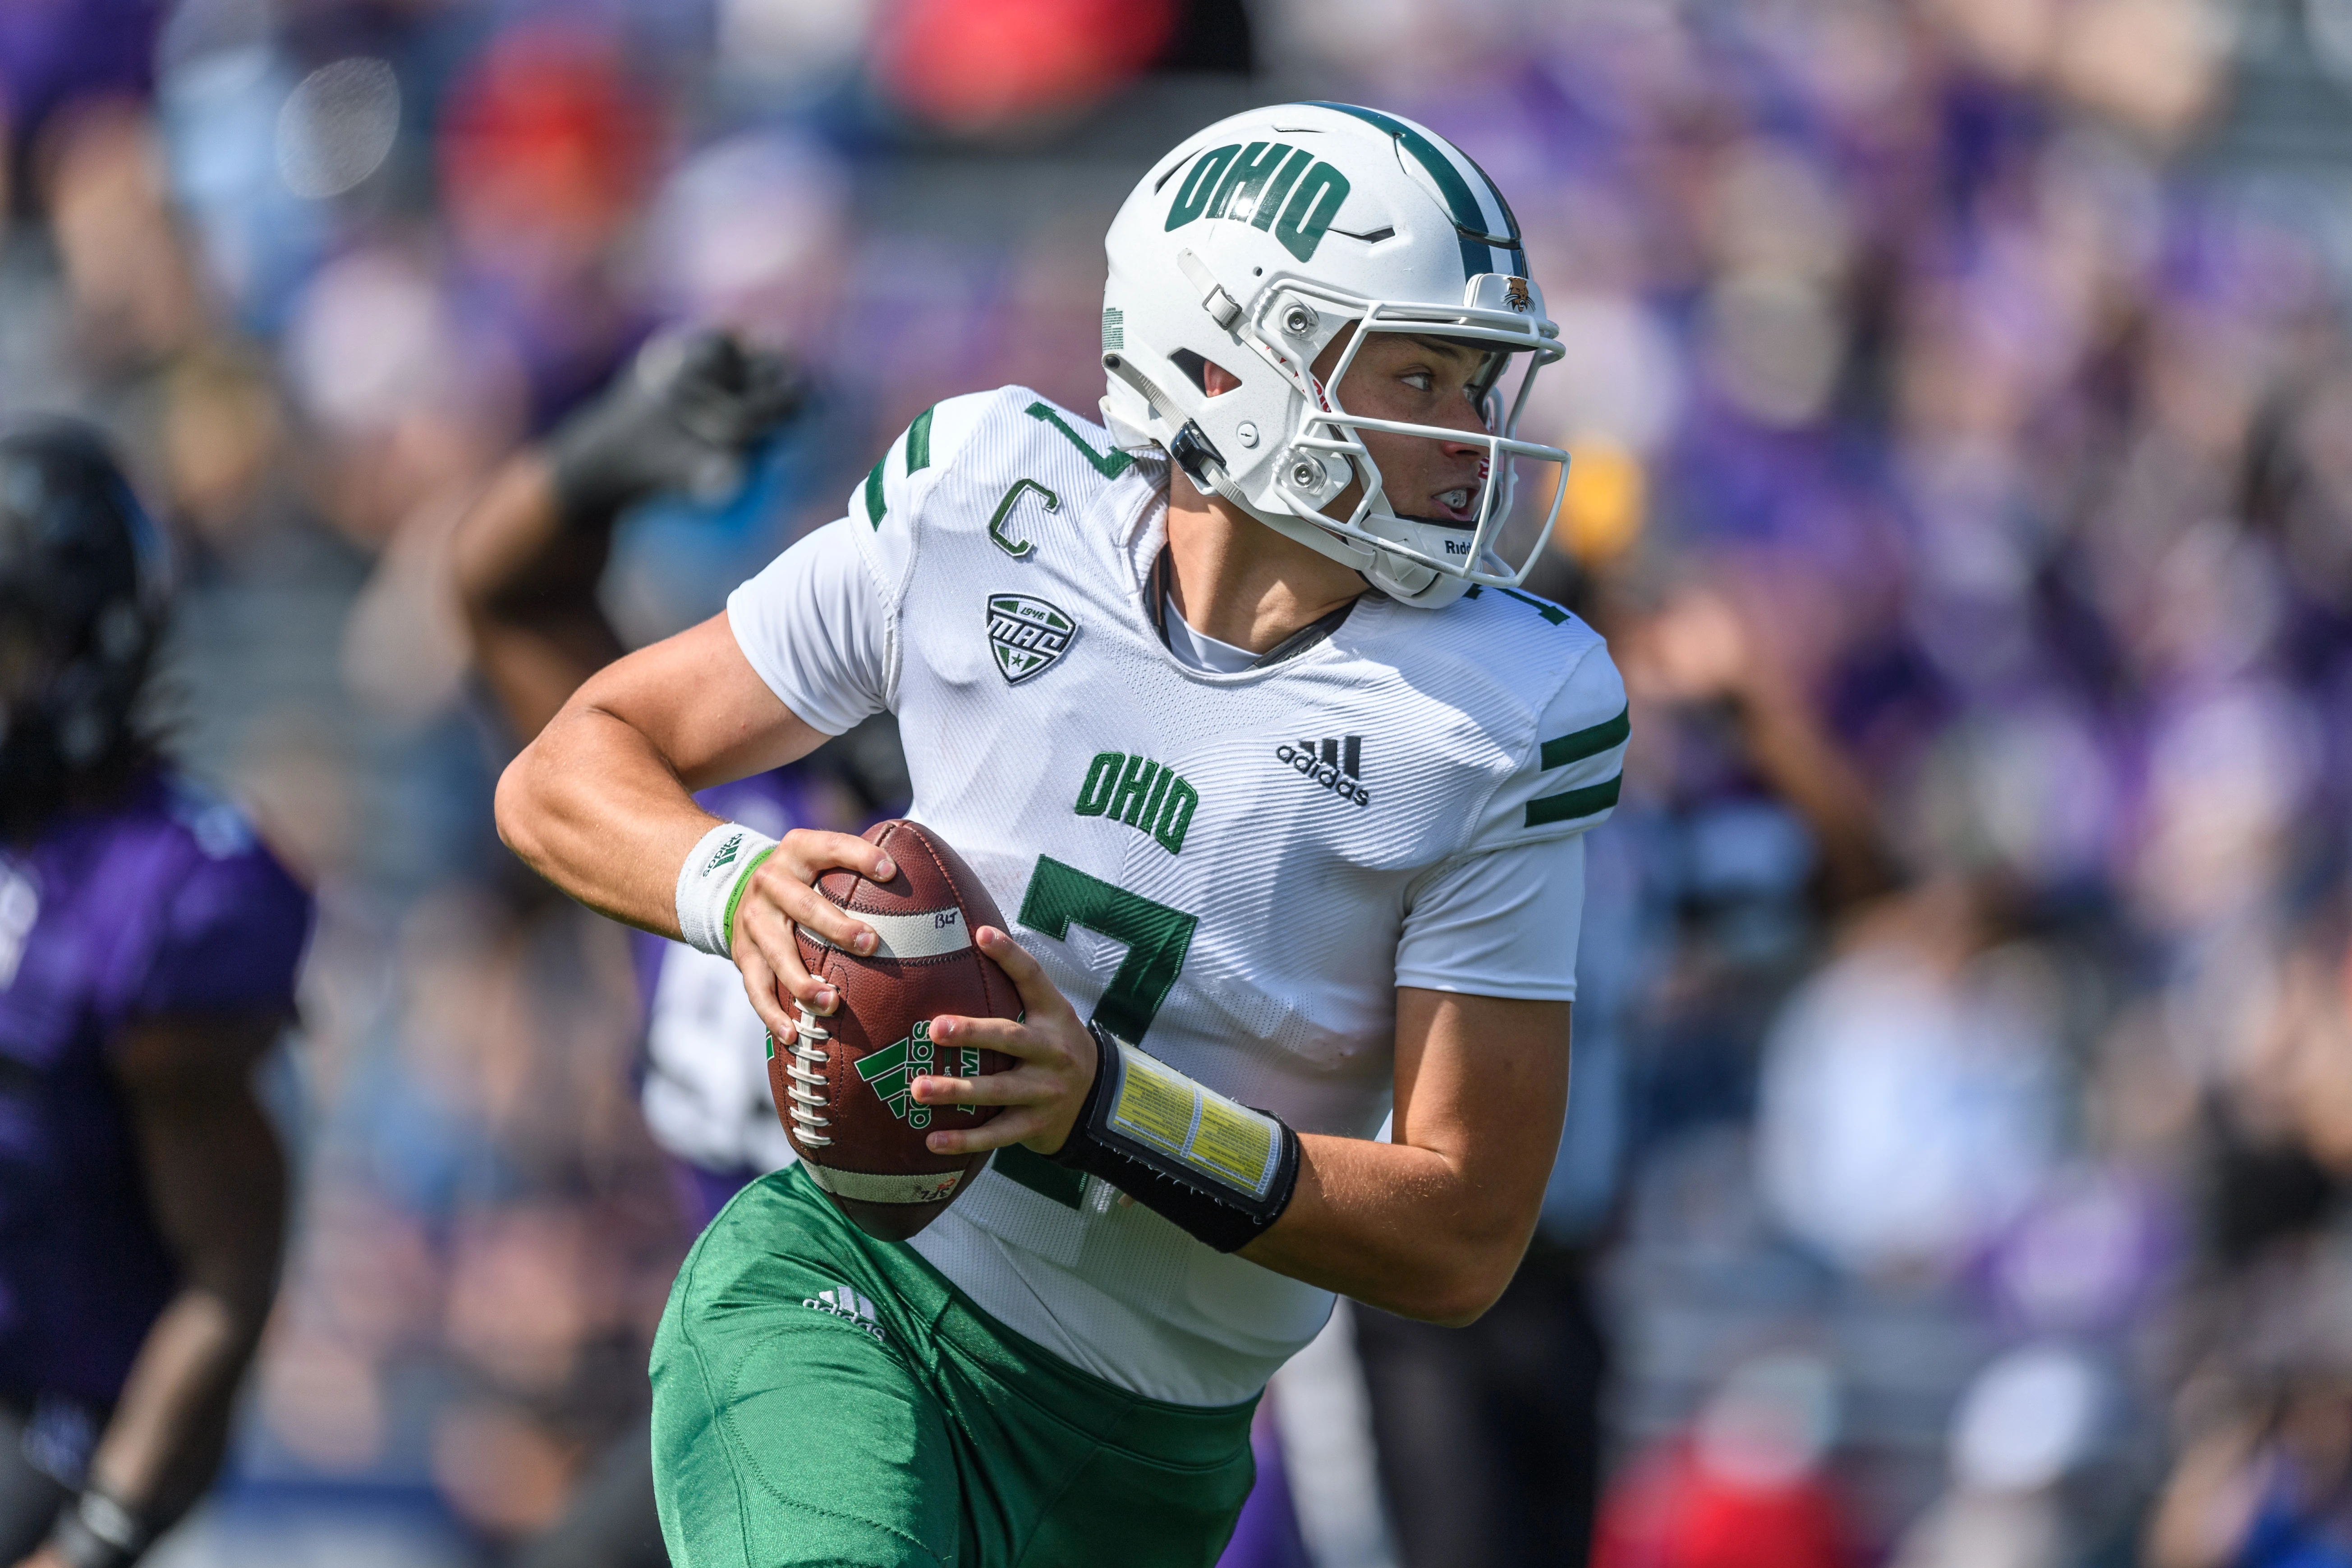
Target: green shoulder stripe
{"type": "Point", "coordinates": [874, 492]}
{"type": "Point", "coordinates": [1574, 803]}
{"type": "Point", "coordinates": [1543, 608]}
{"type": "Point", "coordinates": [1109, 468]}
{"type": "Point", "coordinates": [919, 442]}
{"type": "Point", "coordinates": [1589, 742]}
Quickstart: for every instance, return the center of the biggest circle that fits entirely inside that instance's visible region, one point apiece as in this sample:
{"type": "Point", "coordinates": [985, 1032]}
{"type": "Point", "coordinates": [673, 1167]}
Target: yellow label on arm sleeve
{"type": "Point", "coordinates": [1224, 1141]}
{"type": "Point", "coordinates": [1234, 1141]}
{"type": "Point", "coordinates": [1155, 1104]}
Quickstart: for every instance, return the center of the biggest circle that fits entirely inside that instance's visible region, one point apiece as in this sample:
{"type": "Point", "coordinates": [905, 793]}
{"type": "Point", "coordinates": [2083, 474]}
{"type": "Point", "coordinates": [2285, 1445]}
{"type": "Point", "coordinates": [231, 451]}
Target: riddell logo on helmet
{"type": "Point", "coordinates": [1270, 186]}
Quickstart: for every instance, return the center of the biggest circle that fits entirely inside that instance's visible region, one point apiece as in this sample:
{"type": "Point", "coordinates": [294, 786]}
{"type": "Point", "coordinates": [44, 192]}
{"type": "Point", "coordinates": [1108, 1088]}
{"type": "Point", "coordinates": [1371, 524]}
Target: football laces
{"type": "Point", "coordinates": [808, 1092]}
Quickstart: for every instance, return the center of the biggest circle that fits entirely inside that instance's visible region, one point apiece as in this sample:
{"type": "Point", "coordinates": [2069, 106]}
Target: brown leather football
{"type": "Point", "coordinates": [842, 1091]}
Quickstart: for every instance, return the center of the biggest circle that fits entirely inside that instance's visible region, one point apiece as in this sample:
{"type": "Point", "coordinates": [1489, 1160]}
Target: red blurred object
{"type": "Point", "coordinates": [974, 65]}
{"type": "Point", "coordinates": [1669, 1510]}
{"type": "Point", "coordinates": [547, 139]}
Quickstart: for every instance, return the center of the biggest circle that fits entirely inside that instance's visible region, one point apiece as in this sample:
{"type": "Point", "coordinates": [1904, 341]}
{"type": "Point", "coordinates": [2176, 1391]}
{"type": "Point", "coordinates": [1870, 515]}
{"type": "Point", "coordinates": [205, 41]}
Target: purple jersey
{"type": "Point", "coordinates": [163, 904]}
{"type": "Point", "coordinates": [704, 1072]}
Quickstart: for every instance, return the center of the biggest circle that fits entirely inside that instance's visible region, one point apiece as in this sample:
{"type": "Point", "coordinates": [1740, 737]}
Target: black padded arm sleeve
{"type": "Point", "coordinates": [1221, 1170]}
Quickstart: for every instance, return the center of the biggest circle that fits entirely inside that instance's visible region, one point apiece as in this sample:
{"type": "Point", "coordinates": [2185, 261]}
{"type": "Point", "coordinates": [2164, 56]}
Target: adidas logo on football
{"type": "Point", "coordinates": [1338, 766]}
{"type": "Point", "coordinates": [893, 1071]}
{"type": "Point", "coordinates": [849, 1306]}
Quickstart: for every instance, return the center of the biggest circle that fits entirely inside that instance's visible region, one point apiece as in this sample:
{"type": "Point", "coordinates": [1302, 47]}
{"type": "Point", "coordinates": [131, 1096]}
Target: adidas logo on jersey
{"type": "Point", "coordinates": [849, 1306]}
{"type": "Point", "coordinates": [1337, 765]}
{"type": "Point", "coordinates": [1147, 796]}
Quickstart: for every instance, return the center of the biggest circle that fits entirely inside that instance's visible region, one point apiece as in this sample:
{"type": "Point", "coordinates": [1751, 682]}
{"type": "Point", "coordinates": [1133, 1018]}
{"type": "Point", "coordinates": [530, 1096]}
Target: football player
{"type": "Point", "coordinates": [530, 556]}
{"type": "Point", "coordinates": [1235, 699]}
{"type": "Point", "coordinates": [148, 946]}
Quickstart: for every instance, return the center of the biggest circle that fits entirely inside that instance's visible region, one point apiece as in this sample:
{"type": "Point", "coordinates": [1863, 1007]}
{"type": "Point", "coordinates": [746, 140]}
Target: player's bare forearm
{"type": "Point", "coordinates": [599, 803]}
{"type": "Point", "coordinates": [528, 585]}
{"type": "Point", "coordinates": [168, 1434]}
{"type": "Point", "coordinates": [1433, 1225]}
{"type": "Point", "coordinates": [594, 807]}
{"type": "Point", "coordinates": [218, 1183]}
{"type": "Point", "coordinates": [1404, 1229]}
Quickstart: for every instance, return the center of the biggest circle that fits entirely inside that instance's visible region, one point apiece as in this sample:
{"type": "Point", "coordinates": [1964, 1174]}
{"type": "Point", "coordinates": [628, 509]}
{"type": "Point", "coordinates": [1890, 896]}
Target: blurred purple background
{"type": "Point", "coordinates": [1962, 402]}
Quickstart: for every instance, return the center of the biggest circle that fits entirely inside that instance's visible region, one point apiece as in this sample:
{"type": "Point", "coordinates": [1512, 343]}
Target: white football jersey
{"type": "Point", "coordinates": [1234, 871]}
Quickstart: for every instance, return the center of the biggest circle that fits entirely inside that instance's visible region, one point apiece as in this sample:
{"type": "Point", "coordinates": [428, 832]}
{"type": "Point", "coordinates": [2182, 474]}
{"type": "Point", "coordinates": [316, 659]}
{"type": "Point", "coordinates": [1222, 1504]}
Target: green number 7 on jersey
{"type": "Point", "coordinates": [1156, 938]}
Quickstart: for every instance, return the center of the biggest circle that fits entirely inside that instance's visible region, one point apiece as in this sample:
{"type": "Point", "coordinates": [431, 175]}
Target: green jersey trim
{"type": "Point", "coordinates": [1109, 468]}
{"type": "Point", "coordinates": [1568, 804]}
{"type": "Point", "coordinates": [1562, 750]}
{"type": "Point", "coordinates": [918, 441]}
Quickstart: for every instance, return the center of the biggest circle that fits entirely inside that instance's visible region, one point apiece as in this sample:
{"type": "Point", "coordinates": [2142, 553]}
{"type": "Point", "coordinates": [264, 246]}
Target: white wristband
{"type": "Point", "coordinates": [708, 884]}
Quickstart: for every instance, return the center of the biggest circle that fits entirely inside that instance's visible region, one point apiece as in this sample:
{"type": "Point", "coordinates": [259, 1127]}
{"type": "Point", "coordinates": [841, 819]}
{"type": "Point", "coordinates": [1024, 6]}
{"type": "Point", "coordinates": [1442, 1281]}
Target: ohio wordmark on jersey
{"type": "Point", "coordinates": [1234, 871]}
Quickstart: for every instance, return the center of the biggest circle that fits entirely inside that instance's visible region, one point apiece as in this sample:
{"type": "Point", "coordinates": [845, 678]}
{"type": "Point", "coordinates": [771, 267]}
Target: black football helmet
{"type": "Point", "coordinates": [82, 591]}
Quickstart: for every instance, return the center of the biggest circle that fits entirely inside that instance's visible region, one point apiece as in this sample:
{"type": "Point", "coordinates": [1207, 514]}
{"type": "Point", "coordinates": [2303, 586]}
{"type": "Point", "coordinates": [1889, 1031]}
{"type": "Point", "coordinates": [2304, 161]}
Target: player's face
{"type": "Point", "coordinates": [1424, 380]}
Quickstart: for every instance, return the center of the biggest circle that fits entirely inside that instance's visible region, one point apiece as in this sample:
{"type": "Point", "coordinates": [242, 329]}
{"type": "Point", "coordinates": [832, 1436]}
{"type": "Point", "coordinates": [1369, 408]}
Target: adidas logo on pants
{"type": "Point", "coordinates": [847, 1305]}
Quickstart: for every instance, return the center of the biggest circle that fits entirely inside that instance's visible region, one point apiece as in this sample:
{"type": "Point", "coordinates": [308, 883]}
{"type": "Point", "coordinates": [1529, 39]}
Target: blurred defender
{"type": "Point", "coordinates": [148, 945]}
{"type": "Point", "coordinates": [1237, 703]}
{"type": "Point", "coordinates": [529, 556]}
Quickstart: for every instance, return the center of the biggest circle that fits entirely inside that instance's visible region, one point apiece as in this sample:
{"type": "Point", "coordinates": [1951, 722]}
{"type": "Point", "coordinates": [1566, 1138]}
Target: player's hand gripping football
{"type": "Point", "coordinates": [781, 892]}
{"type": "Point", "coordinates": [1043, 1096]}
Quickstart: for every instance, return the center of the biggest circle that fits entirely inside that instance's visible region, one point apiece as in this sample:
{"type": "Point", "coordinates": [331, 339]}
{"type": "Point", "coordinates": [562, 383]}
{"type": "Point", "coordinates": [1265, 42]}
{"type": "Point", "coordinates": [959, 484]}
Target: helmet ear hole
{"type": "Point", "coordinates": [1212, 379]}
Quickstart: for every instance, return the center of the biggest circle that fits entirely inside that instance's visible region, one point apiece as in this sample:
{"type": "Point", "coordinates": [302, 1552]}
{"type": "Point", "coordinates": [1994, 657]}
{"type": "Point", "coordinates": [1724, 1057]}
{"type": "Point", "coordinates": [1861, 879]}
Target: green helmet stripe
{"type": "Point", "coordinates": [1510, 218]}
{"type": "Point", "coordinates": [1469, 223]}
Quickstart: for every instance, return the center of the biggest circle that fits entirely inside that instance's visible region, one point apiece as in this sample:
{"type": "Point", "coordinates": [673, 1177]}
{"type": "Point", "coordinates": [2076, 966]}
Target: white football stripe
{"type": "Point", "coordinates": [925, 935]}
{"type": "Point", "coordinates": [871, 1187]}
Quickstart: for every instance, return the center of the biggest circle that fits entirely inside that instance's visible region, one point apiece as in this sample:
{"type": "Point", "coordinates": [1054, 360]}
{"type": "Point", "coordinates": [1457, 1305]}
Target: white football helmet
{"type": "Point", "coordinates": [1255, 244]}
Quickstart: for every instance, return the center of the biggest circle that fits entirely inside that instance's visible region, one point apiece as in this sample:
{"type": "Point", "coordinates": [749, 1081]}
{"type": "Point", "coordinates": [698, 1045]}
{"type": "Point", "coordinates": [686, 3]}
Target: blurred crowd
{"type": "Point", "coordinates": [1961, 399]}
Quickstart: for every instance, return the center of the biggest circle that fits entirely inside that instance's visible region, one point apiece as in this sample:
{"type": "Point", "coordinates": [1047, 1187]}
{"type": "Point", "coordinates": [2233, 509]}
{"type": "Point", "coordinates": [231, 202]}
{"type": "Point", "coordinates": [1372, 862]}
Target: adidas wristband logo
{"type": "Point", "coordinates": [712, 879]}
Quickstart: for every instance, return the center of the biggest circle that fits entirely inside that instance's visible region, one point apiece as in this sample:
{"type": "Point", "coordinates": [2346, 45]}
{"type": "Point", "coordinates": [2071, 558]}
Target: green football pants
{"type": "Point", "coordinates": [822, 1397]}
